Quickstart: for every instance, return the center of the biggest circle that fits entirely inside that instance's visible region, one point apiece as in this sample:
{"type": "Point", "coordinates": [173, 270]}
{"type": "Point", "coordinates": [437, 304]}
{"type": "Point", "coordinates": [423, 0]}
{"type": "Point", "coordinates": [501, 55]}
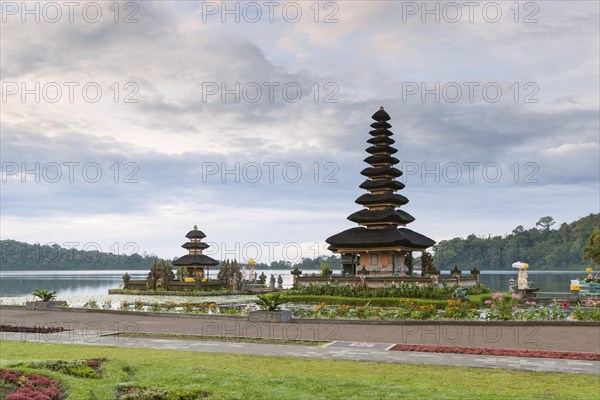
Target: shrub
{"type": "Point", "coordinates": [44, 295]}
{"type": "Point", "coordinates": [412, 291]}
{"type": "Point", "coordinates": [78, 368]}
{"type": "Point", "coordinates": [91, 304]}
{"type": "Point", "coordinates": [270, 302]}
{"type": "Point", "coordinates": [141, 393]}
{"type": "Point", "coordinates": [374, 301]}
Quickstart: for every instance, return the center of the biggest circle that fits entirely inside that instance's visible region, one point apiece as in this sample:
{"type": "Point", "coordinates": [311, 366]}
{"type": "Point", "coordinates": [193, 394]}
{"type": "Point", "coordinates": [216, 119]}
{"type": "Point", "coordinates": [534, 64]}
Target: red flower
{"type": "Point", "coordinates": [499, 352]}
{"type": "Point", "coordinates": [565, 304]}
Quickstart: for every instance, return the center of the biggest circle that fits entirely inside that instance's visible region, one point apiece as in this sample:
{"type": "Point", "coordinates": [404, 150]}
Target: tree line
{"type": "Point", "coordinates": [21, 256]}
{"type": "Point", "coordinates": [543, 247]}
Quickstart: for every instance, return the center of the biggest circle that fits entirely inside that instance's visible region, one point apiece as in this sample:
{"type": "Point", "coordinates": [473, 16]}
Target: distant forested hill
{"type": "Point", "coordinates": [21, 256]}
{"type": "Point", "coordinates": [544, 247]}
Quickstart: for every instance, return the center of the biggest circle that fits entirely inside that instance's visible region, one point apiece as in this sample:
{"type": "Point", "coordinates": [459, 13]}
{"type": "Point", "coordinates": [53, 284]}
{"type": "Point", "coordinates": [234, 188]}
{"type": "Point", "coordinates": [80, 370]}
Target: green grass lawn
{"type": "Point", "coordinates": [230, 376]}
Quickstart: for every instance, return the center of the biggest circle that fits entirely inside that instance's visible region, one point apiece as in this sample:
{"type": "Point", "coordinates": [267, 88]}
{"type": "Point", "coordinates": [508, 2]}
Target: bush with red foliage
{"type": "Point", "coordinates": [31, 329]}
{"type": "Point", "coordinates": [572, 355]}
{"type": "Point", "coordinates": [30, 386]}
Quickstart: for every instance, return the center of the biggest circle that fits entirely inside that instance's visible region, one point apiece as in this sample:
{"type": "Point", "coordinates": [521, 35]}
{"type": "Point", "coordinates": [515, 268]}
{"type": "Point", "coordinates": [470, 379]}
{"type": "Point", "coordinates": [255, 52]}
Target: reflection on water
{"type": "Point", "coordinates": [65, 282]}
{"type": "Point", "coordinates": [89, 283]}
{"type": "Point", "coordinates": [547, 281]}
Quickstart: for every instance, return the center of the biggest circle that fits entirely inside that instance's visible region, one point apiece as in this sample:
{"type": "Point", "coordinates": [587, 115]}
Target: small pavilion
{"type": "Point", "coordinates": [382, 246]}
{"type": "Point", "coordinates": [195, 264]}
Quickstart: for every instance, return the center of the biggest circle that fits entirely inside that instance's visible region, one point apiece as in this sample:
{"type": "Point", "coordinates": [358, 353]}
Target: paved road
{"type": "Point", "coordinates": [351, 341]}
{"type": "Point", "coordinates": [356, 351]}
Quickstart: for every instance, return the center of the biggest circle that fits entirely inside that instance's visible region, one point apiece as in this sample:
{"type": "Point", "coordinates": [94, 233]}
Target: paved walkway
{"type": "Point", "coordinates": [350, 341]}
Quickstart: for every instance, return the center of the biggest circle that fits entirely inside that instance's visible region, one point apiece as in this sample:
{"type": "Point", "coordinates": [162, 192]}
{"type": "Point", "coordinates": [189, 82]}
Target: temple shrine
{"type": "Point", "coordinates": [381, 246]}
{"type": "Point", "coordinates": [195, 264]}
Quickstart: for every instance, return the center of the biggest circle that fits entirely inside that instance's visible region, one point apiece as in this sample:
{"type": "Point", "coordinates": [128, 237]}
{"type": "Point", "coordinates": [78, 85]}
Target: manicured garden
{"type": "Point", "coordinates": [395, 302]}
{"type": "Point", "coordinates": [126, 374]}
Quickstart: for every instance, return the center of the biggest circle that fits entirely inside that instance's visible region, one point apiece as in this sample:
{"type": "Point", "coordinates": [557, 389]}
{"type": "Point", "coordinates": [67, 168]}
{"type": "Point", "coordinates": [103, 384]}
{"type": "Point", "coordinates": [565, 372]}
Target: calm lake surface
{"type": "Point", "coordinates": [91, 283]}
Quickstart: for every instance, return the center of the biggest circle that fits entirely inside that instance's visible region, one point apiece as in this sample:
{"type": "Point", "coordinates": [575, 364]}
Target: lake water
{"type": "Point", "coordinates": [92, 283]}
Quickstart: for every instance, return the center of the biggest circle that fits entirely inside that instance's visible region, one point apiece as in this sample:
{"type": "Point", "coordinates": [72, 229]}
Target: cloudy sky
{"type": "Point", "coordinates": [131, 123]}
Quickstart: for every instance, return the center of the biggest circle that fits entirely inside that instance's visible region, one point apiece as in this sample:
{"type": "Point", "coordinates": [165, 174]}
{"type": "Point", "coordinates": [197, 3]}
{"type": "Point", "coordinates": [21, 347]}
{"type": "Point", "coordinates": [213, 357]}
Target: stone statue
{"type": "Point", "coordinates": [126, 279]}
{"type": "Point", "coordinates": [511, 285]}
{"type": "Point", "coordinates": [272, 281]}
{"type": "Point", "coordinates": [262, 278]}
{"type": "Point", "coordinates": [408, 262]}
{"type": "Point", "coordinates": [279, 282]}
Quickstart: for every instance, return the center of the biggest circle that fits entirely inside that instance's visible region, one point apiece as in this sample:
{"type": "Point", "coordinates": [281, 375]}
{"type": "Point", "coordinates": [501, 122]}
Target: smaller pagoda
{"type": "Point", "coordinates": [195, 264]}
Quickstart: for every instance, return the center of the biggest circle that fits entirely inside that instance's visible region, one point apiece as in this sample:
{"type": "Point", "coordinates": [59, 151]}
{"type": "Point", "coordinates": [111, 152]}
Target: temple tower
{"type": "Point", "coordinates": [194, 263]}
{"type": "Point", "coordinates": [382, 242]}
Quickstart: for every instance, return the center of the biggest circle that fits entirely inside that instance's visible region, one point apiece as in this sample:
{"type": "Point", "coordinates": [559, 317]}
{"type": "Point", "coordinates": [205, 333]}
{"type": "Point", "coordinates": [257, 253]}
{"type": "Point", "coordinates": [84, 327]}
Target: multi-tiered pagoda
{"type": "Point", "coordinates": [382, 243]}
{"type": "Point", "coordinates": [194, 263]}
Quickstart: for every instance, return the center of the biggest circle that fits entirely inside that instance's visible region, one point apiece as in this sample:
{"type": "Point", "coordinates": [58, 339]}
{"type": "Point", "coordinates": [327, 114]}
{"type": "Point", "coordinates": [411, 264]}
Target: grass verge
{"type": "Point", "coordinates": [219, 338]}
{"type": "Point", "coordinates": [232, 376]}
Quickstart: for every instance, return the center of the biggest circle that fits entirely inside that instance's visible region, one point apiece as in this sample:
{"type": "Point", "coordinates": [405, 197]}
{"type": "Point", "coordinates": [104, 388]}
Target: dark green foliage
{"type": "Point", "coordinates": [394, 291]}
{"type": "Point", "coordinates": [353, 301]}
{"type": "Point", "coordinates": [21, 256]}
{"type": "Point", "coordinates": [427, 265]}
{"type": "Point", "coordinates": [229, 274]}
{"type": "Point", "coordinates": [474, 300]}
{"type": "Point", "coordinates": [270, 302]}
{"type": "Point", "coordinates": [160, 274]}
{"type": "Point", "coordinates": [306, 263]}
{"type": "Point", "coordinates": [542, 249]}
{"type": "Point", "coordinates": [141, 393]}
{"type": "Point", "coordinates": [592, 250]}
{"type": "Point", "coordinates": [325, 269]}
{"type": "Point", "coordinates": [78, 368]}
{"type": "Point", "coordinates": [7, 388]}
{"type": "Point", "coordinates": [44, 295]}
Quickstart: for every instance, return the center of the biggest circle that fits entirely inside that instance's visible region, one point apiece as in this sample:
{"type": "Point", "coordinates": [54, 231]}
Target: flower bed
{"type": "Point", "coordinates": [29, 386]}
{"type": "Point", "coordinates": [500, 307]}
{"type": "Point", "coordinates": [31, 329]}
{"type": "Point", "coordinates": [571, 355]}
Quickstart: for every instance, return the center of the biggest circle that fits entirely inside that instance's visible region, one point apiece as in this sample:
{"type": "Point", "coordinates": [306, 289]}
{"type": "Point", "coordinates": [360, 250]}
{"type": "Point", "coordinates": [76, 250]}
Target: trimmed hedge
{"type": "Point", "coordinates": [476, 300]}
{"type": "Point", "coordinates": [352, 301]}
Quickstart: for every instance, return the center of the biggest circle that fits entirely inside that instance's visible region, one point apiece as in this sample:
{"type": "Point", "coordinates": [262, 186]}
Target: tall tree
{"type": "Point", "coordinates": [545, 222]}
{"type": "Point", "coordinates": [592, 250]}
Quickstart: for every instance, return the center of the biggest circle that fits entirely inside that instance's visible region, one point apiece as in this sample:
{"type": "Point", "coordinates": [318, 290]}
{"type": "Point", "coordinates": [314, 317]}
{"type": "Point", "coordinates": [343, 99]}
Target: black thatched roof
{"type": "Point", "coordinates": [378, 125]}
{"type": "Point", "coordinates": [199, 245]}
{"type": "Point", "coordinates": [361, 237]}
{"type": "Point", "coordinates": [381, 115]}
{"type": "Point", "coordinates": [385, 149]}
{"type": "Point", "coordinates": [369, 199]}
{"type": "Point", "coordinates": [195, 259]}
{"type": "Point", "coordinates": [381, 140]}
{"type": "Point", "coordinates": [383, 172]}
{"type": "Point", "coordinates": [381, 132]}
{"type": "Point", "coordinates": [195, 234]}
{"type": "Point", "coordinates": [384, 216]}
{"type": "Point", "coordinates": [382, 184]}
{"type": "Point", "coordinates": [384, 221]}
{"type": "Point", "coordinates": [383, 159]}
